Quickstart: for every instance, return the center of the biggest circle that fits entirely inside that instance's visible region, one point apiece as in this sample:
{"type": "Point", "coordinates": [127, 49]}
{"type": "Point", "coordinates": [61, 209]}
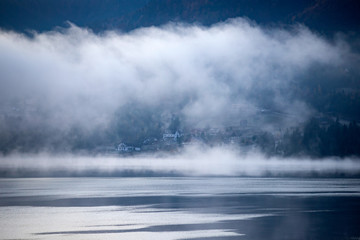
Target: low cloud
{"type": "Point", "coordinates": [208, 75]}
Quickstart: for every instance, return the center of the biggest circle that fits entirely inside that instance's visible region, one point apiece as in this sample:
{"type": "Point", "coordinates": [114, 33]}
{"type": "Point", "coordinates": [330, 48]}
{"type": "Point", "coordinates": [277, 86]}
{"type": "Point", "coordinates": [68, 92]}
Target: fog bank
{"type": "Point", "coordinates": [191, 162]}
{"type": "Point", "coordinates": [207, 75]}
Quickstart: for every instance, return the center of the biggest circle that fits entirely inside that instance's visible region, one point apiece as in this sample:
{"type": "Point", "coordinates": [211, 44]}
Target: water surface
{"type": "Point", "coordinates": [179, 208]}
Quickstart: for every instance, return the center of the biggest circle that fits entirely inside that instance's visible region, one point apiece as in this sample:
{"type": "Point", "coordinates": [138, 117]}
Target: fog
{"type": "Point", "coordinates": [207, 75]}
{"type": "Point", "coordinates": [72, 76]}
{"type": "Point", "coordinates": [193, 161]}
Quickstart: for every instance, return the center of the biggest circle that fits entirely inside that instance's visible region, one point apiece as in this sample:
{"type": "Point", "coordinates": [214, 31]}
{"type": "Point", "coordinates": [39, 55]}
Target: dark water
{"type": "Point", "coordinates": [179, 208]}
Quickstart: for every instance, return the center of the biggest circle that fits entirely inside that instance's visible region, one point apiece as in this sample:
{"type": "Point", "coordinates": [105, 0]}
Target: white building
{"type": "Point", "coordinates": [171, 136]}
{"type": "Point", "coordinates": [122, 147]}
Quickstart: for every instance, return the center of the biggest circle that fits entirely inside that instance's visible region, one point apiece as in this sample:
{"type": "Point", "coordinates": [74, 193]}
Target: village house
{"type": "Point", "coordinates": [171, 136]}
{"type": "Point", "coordinates": [123, 148]}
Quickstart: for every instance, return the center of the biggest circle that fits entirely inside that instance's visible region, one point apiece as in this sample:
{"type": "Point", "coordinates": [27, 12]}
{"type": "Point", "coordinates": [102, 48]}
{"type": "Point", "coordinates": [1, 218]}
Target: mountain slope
{"type": "Point", "coordinates": [44, 15]}
{"type": "Point", "coordinates": [321, 15]}
{"type": "Point", "coordinates": [326, 16]}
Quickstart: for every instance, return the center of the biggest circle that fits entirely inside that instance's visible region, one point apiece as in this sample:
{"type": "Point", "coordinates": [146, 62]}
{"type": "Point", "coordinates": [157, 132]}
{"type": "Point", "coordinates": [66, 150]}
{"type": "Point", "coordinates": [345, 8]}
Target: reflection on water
{"type": "Point", "coordinates": [179, 208]}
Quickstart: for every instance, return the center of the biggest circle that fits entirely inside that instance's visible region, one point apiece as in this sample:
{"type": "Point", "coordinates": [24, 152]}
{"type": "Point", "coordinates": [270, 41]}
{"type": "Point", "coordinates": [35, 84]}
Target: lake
{"type": "Point", "coordinates": [179, 208]}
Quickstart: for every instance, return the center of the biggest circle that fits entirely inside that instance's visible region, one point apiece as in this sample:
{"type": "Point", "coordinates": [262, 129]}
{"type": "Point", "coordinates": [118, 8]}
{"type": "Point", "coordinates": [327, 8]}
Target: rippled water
{"type": "Point", "coordinates": [179, 208]}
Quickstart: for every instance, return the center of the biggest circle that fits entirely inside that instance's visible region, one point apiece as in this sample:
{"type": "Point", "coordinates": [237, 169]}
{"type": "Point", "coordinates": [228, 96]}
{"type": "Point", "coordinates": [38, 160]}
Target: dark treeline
{"type": "Point", "coordinates": [333, 92]}
{"type": "Point", "coordinates": [316, 140]}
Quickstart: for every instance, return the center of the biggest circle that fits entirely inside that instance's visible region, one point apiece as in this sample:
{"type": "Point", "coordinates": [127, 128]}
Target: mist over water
{"type": "Point", "coordinates": [192, 161]}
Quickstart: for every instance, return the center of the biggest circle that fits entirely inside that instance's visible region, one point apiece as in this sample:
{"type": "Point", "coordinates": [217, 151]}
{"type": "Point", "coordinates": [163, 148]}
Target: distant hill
{"type": "Point", "coordinates": [207, 12]}
{"type": "Point", "coordinates": [44, 15]}
{"type": "Point", "coordinates": [321, 15]}
{"type": "Point", "coordinates": [325, 16]}
{"type": "Point", "coordinates": [331, 15]}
